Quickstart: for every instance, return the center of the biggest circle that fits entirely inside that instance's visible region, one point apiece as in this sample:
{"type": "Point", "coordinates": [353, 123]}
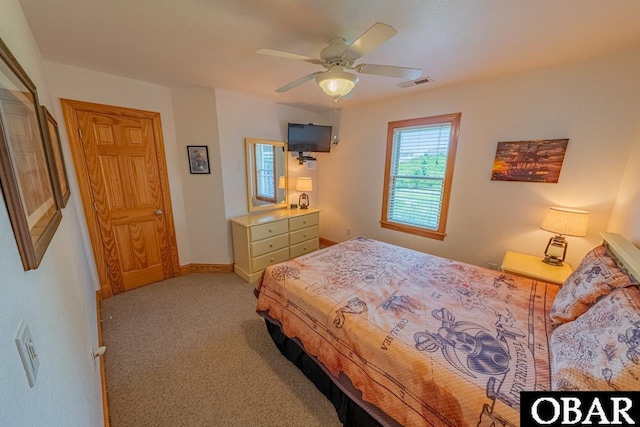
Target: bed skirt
{"type": "Point", "coordinates": [342, 397]}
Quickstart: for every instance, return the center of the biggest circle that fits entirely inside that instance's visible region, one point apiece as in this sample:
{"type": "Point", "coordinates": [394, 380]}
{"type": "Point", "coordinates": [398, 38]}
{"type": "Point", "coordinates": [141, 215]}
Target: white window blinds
{"type": "Point", "coordinates": [418, 170]}
{"type": "Point", "coordinates": [265, 174]}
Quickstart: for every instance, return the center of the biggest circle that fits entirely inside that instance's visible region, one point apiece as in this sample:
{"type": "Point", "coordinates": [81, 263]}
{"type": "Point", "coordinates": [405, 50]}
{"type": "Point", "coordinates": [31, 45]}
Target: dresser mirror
{"type": "Point", "coordinates": [266, 164]}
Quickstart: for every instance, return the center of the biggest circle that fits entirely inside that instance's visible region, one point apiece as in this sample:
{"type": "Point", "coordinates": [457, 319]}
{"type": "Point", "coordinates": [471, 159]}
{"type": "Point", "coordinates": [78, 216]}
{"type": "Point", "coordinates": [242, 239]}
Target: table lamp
{"type": "Point", "coordinates": [562, 222]}
{"type": "Point", "coordinates": [303, 184]}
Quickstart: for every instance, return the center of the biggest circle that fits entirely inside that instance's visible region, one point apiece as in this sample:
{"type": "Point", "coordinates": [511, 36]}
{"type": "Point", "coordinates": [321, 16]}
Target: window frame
{"type": "Point", "coordinates": [385, 222]}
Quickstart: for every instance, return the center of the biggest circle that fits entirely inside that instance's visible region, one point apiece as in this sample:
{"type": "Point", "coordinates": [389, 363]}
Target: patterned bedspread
{"type": "Point", "coordinates": [428, 340]}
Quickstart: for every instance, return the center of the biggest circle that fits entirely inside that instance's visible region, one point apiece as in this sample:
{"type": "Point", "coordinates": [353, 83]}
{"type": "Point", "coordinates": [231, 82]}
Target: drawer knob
{"type": "Point", "coordinates": [304, 248]}
{"type": "Point", "coordinates": [271, 260]}
{"type": "Point", "coordinates": [270, 230]}
{"type": "Point", "coordinates": [270, 246]}
{"type": "Point", "coordinates": [304, 222]}
{"type": "Point", "coordinates": [304, 235]}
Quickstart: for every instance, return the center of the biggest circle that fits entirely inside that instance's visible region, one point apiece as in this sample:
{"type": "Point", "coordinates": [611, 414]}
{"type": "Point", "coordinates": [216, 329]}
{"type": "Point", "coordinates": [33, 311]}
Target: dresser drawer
{"type": "Point", "coordinates": [304, 247]}
{"type": "Point", "coordinates": [259, 232]}
{"type": "Point", "coordinates": [264, 261]}
{"type": "Point", "coordinates": [264, 246]}
{"type": "Point", "coordinates": [303, 221]}
{"type": "Point", "coordinates": [302, 235]}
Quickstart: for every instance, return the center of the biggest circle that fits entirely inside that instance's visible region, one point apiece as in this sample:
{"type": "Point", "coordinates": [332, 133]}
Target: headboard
{"type": "Point", "coordinates": [626, 254]}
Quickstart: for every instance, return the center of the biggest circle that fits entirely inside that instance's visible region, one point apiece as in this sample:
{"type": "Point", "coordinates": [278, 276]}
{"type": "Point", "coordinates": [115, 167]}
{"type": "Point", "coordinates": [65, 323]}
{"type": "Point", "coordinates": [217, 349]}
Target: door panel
{"type": "Point", "coordinates": [123, 174]}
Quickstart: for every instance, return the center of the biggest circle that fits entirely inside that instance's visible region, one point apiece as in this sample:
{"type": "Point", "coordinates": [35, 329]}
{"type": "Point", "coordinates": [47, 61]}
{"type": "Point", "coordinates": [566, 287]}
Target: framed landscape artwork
{"type": "Point", "coordinates": [24, 170]}
{"type": "Point", "coordinates": [529, 161]}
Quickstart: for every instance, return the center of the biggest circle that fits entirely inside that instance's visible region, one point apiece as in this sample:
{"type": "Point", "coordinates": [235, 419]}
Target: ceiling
{"type": "Point", "coordinates": [213, 43]}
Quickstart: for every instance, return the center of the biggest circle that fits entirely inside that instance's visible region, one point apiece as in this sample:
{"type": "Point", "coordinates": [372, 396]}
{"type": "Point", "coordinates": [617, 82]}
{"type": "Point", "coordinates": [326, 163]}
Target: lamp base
{"type": "Point", "coordinates": [552, 261]}
{"type": "Point", "coordinates": [303, 201]}
{"type": "Point", "coordinates": [555, 251]}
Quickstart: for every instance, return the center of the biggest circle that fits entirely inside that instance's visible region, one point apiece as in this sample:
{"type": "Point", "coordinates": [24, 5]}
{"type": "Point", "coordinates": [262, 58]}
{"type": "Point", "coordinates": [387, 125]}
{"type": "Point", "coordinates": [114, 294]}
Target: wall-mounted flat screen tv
{"type": "Point", "coordinates": [308, 137]}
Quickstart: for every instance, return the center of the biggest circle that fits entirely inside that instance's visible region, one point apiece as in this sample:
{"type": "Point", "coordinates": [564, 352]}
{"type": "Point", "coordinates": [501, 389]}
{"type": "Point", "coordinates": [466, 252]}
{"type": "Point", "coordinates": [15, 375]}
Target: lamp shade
{"type": "Point", "coordinates": [336, 83]}
{"type": "Point", "coordinates": [568, 222]}
{"type": "Point", "coordinates": [304, 184]}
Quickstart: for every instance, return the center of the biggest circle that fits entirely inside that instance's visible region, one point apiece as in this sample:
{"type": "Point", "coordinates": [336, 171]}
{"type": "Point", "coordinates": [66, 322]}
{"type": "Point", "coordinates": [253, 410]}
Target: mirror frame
{"type": "Point", "coordinates": [249, 143]}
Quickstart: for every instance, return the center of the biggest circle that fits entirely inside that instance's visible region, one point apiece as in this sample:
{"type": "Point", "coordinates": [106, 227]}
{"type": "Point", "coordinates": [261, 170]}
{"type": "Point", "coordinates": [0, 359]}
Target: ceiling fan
{"type": "Point", "coordinates": [338, 56]}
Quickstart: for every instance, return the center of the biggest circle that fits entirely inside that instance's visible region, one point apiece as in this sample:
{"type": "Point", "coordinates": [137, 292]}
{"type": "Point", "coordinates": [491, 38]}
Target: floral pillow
{"type": "Point", "coordinates": [601, 349]}
{"type": "Point", "coordinates": [596, 276]}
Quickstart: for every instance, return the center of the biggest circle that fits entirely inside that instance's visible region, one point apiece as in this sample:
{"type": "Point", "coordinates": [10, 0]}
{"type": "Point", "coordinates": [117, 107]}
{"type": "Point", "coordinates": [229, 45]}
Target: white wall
{"type": "Point", "coordinates": [626, 214]}
{"type": "Point", "coordinates": [220, 119]}
{"type": "Point", "coordinates": [241, 116]}
{"type": "Point", "coordinates": [595, 103]}
{"type": "Point", "coordinates": [57, 300]}
{"type": "Point", "coordinates": [92, 86]}
{"type": "Point", "coordinates": [197, 124]}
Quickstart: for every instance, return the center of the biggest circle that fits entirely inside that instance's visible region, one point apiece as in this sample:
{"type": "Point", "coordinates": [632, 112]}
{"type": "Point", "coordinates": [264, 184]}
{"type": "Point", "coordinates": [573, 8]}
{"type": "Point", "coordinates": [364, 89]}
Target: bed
{"type": "Point", "coordinates": [398, 337]}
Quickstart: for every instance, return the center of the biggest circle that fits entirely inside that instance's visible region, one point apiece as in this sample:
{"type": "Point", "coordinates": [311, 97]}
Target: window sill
{"type": "Point", "coordinates": [438, 235]}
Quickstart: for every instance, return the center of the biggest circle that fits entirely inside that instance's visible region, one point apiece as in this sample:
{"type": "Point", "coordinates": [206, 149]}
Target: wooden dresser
{"type": "Point", "coordinates": [272, 237]}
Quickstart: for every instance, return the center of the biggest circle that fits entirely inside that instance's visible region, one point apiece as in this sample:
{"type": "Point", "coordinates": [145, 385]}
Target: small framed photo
{"type": "Point", "coordinates": [198, 158]}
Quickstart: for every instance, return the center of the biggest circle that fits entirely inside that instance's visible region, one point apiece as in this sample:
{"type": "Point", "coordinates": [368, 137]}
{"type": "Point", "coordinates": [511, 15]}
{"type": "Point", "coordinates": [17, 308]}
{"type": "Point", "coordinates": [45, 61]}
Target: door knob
{"type": "Point", "coordinates": [158, 212]}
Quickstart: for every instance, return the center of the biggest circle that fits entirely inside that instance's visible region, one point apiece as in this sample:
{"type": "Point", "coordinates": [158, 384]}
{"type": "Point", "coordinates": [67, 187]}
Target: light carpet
{"type": "Point", "coordinates": [191, 351]}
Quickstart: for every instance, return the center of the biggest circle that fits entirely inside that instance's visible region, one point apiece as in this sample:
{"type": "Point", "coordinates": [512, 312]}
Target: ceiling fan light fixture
{"type": "Point", "coordinates": [336, 83]}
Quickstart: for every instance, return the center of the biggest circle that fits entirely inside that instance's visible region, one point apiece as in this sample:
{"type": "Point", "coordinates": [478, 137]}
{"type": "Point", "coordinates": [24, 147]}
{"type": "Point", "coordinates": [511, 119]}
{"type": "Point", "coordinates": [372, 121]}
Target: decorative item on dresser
{"type": "Point", "coordinates": [304, 184]}
{"type": "Point", "coordinates": [269, 238]}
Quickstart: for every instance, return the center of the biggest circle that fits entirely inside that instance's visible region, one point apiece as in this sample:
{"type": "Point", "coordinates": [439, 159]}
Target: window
{"type": "Point", "coordinates": [418, 174]}
{"type": "Point", "coordinates": [265, 175]}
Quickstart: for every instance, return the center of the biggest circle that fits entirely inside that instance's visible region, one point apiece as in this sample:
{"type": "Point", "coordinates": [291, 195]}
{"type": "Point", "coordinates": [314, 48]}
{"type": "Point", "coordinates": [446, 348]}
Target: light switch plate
{"type": "Point", "coordinates": [28, 353]}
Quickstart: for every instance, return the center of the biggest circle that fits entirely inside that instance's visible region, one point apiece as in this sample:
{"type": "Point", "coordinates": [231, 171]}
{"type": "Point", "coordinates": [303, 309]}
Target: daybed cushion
{"type": "Point", "coordinates": [601, 349]}
{"type": "Point", "coordinates": [596, 276]}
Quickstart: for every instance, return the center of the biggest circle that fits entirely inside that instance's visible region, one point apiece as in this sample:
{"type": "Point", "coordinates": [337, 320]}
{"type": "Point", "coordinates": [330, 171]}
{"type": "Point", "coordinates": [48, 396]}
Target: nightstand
{"type": "Point", "coordinates": [532, 267]}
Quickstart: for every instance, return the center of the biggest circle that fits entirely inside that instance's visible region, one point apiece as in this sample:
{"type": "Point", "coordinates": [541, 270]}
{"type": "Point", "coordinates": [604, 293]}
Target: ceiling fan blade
{"type": "Point", "coordinates": [377, 34]}
{"type": "Point", "coordinates": [389, 71]}
{"type": "Point", "coordinates": [287, 55]}
{"type": "Point", "coordinates": [298, 82]}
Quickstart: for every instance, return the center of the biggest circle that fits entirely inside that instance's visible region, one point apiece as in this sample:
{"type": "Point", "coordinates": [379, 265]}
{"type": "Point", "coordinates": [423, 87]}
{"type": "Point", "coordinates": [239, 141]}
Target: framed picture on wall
{"type": "Point", "coordinates": [198, 159]}
{"type": "Point", "coordinates": [53, 148]}
{"type": "Point", "coordinates": [529, 161]}
{"type": "Point", "coordinates": [24, 170]}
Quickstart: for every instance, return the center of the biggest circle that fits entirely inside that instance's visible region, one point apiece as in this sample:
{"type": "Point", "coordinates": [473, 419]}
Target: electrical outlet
{"type": "Point", "coordinates": [96, 353]}
{"type": "Point", "coordinates": [348, 231]}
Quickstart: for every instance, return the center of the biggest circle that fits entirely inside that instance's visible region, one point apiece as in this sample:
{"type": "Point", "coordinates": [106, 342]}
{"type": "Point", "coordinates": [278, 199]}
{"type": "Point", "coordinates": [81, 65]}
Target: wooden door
{"type": "Point", "coordinates": [125, 193]}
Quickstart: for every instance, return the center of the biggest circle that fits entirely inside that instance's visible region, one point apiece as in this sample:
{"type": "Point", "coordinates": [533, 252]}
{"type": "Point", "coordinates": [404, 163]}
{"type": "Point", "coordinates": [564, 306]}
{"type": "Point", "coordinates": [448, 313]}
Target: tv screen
{"type": "Point", "coordinates": [309, 137]}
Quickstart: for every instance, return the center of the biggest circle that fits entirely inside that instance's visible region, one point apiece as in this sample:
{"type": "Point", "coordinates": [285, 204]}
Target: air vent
{"type": "Point", "coordinates": [421, 80]}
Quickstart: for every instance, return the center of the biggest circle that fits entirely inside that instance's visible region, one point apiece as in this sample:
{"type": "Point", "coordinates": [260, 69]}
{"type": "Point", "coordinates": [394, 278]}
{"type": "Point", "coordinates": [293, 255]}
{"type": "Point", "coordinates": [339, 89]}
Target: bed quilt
{"type": "Point", "coordinates": [428, 340]}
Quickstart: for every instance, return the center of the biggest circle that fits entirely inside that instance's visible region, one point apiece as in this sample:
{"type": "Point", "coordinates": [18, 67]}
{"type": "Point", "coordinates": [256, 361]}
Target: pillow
{"type": "Point", "coordinates": [596, 276]}
{"type": "Point", "coordinates": [601, 349]}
